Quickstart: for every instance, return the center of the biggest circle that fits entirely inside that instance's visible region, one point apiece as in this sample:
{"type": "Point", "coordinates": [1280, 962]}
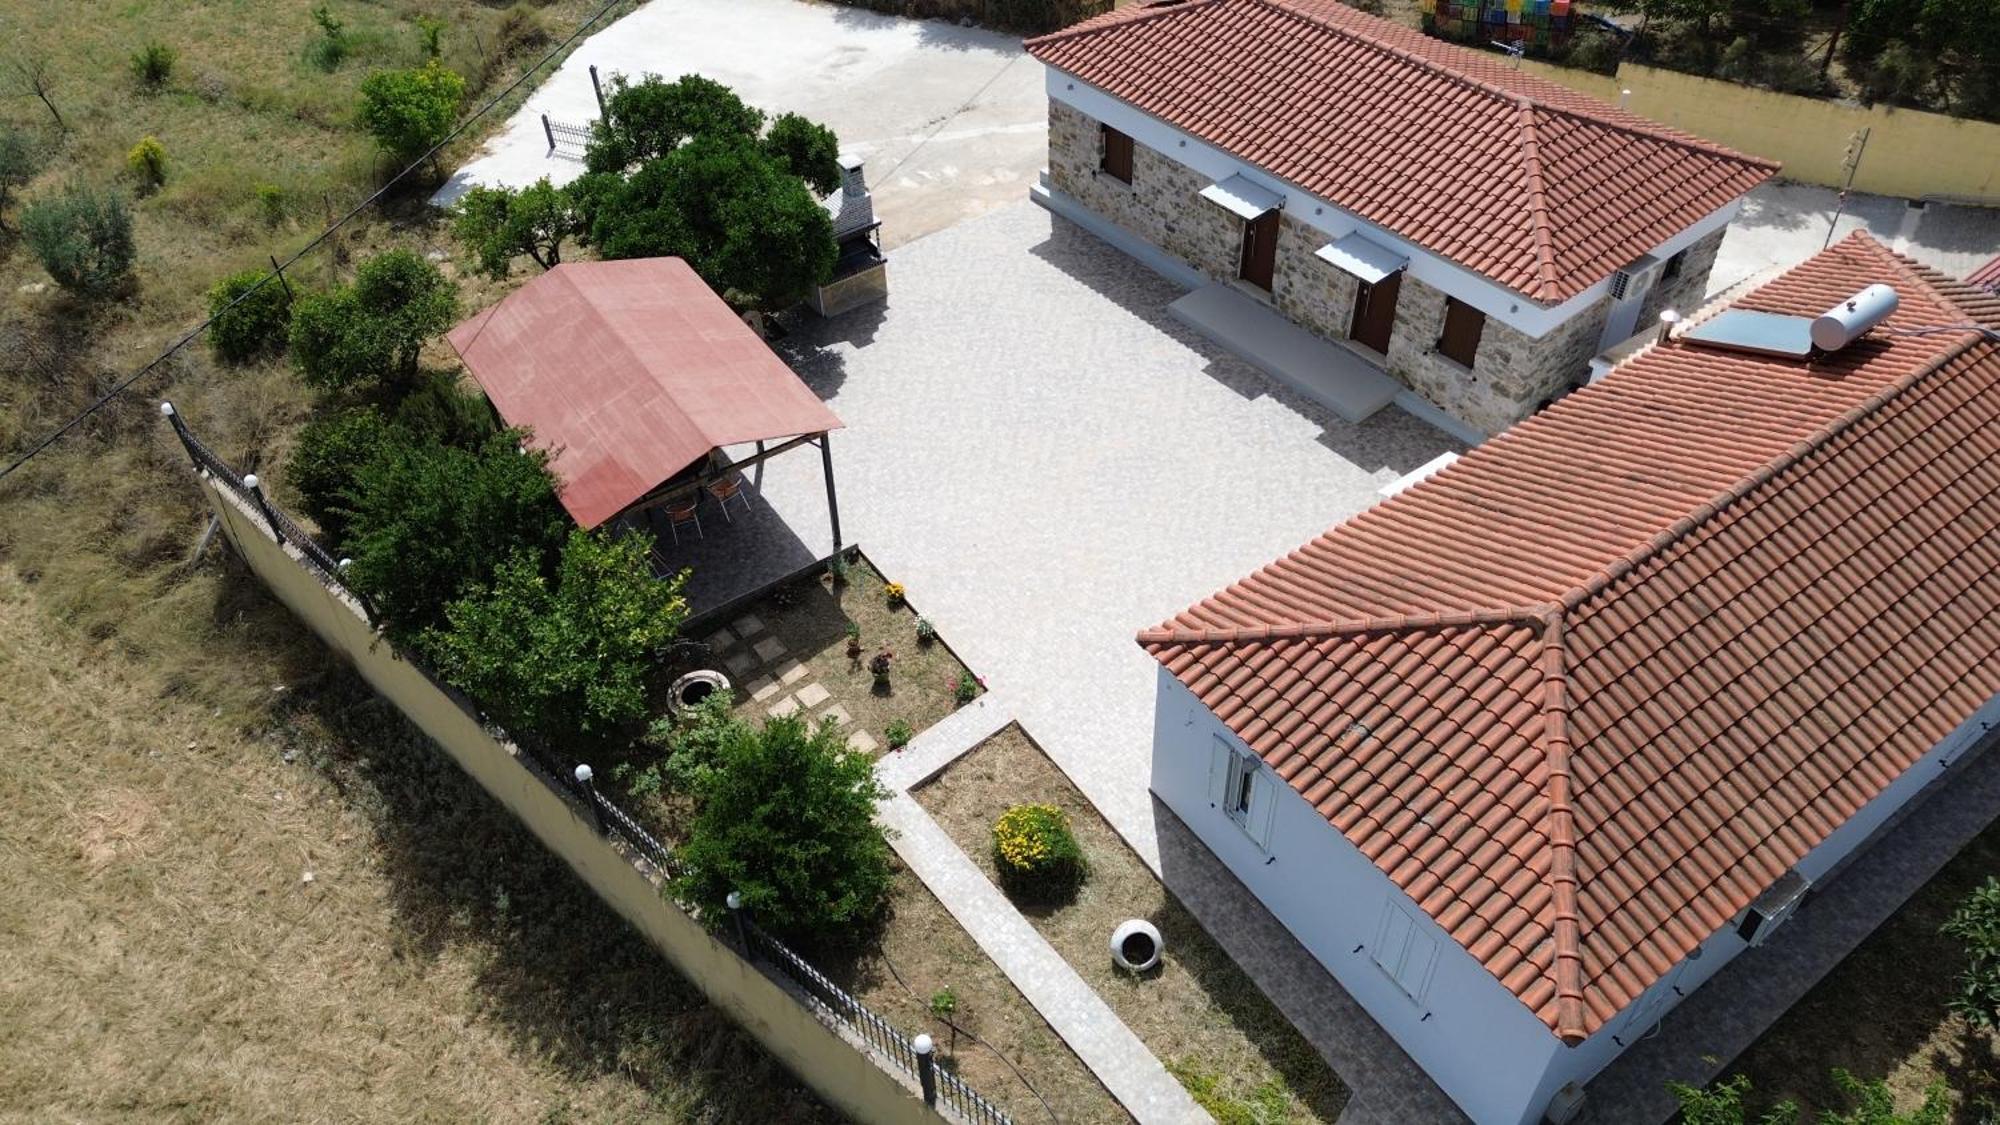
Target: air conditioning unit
{"type": "Point", "coordinates": [1566, 1106]}
{"type": "Point", "coordinates": [1636, 278]}
{"type": "Point", "coordinates": [1772, 907]}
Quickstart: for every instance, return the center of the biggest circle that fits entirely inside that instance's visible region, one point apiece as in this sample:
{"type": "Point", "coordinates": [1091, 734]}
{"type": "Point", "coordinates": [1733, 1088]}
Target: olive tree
{"type": "Point", "coordinates": [370, 333]}
{"type": "Point", "coordinates": [83, 238]}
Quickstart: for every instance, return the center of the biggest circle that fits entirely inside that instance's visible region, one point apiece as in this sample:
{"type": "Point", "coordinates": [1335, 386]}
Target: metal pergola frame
{"type": "Point", "coordinates": [681, 487]}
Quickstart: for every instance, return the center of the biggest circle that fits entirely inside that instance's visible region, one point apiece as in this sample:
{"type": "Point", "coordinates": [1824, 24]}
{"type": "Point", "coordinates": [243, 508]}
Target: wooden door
{"type": "Point", "coordinates": [1260, 250]}
{"type": "Point", "coordinates": [1375, 312]}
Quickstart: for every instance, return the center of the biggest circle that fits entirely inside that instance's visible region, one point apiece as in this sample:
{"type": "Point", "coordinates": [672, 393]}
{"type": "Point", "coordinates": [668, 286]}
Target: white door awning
{"type": "Point", "coordinates": [1369, 261]}
{"type": "Point", "coordinates": [1241, 198]}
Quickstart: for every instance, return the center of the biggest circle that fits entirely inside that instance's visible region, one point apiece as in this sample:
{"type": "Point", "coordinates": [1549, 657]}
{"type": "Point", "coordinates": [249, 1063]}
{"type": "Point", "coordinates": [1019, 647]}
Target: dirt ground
{"type": "Point", "coordinates": [321, 917]}
{"type": "Point", "coordinates": [1198, 1013]}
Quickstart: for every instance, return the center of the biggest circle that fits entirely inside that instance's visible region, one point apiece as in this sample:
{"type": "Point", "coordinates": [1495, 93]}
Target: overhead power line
{"type": "Point", "coordinates": [129, 381]}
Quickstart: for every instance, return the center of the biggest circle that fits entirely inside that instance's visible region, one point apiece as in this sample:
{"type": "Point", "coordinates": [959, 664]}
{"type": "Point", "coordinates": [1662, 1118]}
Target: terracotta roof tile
{"type": "Point", "coordinates": [1540, 188]}
{"type": "Point", "coordinates": [1632, 659]}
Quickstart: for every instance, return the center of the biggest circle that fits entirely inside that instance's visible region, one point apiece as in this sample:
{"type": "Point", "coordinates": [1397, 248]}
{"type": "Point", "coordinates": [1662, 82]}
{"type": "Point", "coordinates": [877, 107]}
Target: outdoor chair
{"type": "Point", "coordinates": [684, 513]}
{"type": "Point", "coordinates": [727, 489]}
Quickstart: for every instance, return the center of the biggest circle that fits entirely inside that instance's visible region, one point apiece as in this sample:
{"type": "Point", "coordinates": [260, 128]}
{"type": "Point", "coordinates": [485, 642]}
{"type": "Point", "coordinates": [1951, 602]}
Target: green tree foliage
{"type": "Point", "coordinates": [371, 332]}
{"type": "Point", "coordinates": [326, 462]}
{"type": "Point", "coordinates": [1976, 926]}
{"type": "Point", "coordinates": [253, 315]}
{"type": "Point", "coordinates": [428, 522]}
{"type": "Point", "coordinates": [744, 223]}
{"type": "Point", "coordinates": [1874, 1105]}
{"type": "Point", "coordinates": [692, 742]}
{"type": "Point", "coordinates": [408, 112]}
{"type": "Point", "coordinates": [1722, 1104]}
{"type": "Point", "coordinates": [1942, 53]}
{"type": "Point", "coordinates": [20, 161]}
{"type": "Point", "coordinates": [807, 150]}
{"type": "Point", "coordinates": [788, 821]}
{"type": "Point", "coordinates": [650, 118]}
{"type": "Point", "coordinates": [498, 225]}
{"type": "Point", "coordinates": [83, 237]}
{"type": "Point", "coordinates": [566, 657]}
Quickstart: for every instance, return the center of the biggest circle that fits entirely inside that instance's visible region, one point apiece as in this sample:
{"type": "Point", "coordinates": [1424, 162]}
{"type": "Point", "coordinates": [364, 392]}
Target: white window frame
{"type": "Point", "coordinates": [1244, 789]}
{"type": "Point", "coordinates": [1404, 950]}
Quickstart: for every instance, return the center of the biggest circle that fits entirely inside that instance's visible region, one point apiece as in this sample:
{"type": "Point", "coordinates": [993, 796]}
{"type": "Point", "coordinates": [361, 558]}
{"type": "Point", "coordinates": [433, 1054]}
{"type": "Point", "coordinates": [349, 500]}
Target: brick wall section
{"type": "Point", "coordinates": [1512, 374]}
{"type": "Point", "coordinates": [1162, 204]}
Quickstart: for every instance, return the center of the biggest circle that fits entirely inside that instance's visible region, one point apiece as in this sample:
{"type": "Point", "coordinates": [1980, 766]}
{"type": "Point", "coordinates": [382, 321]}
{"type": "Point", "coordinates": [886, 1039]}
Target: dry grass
{"type": "Point", "coordinates": [1882, 1012]}
{"type": "Point", "coordinates": [1198, 1013]}
{"type": "Point", "coordinates": [161, 957]}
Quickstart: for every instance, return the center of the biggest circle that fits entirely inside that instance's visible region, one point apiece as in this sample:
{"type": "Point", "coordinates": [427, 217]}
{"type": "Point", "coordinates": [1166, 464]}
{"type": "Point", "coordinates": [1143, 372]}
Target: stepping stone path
{"type": "Point", "coordinates": [760, 664]}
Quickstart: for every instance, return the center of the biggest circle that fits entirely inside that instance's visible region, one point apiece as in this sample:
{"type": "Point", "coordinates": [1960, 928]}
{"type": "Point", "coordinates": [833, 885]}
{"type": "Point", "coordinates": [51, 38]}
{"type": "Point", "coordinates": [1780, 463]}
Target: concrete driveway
{"type": "Point", "coordinates": [1784, 224]}
{"type": "Point", "coordinates": [951, 121]}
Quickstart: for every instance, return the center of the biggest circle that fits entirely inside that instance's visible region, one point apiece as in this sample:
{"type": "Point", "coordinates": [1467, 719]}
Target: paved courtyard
{"type": "Point", "coordinates": [951, 121]}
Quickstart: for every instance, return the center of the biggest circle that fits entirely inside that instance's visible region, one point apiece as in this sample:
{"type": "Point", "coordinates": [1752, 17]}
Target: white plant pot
{"type": "Point", "coordinates": [1136, 945]}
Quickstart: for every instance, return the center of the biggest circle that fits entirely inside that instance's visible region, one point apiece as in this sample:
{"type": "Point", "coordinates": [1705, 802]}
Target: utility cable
{"type": "Point", "coordinates": [125, 384]}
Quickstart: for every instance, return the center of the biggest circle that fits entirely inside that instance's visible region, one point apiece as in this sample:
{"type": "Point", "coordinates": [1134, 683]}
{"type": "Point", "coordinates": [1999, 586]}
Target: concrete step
{"type": "Point", "coordinates": [1324, 372]}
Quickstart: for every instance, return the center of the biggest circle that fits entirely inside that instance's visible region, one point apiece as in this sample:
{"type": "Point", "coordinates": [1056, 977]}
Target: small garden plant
{"type": "Point", "coordinates": [944, 1005]}
{"type": "Point", "coordinates": [926, 632]}
{"type": "Point", "coordinates": [894, 592]}
{"type": "Point", "coordinates": [898, 733]}
{"type": "Point", "coordinates": [153, 64]}
{"type": "Point", "coordinates": [879, 665]}
{"type": "Point", "coordinates": [1037, 853]}
{"type": "Point", "coordinates": [967, 688]}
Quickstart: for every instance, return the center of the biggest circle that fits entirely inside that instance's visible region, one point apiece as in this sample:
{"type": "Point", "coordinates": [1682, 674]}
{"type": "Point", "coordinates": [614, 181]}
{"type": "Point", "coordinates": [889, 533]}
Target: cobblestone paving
{"type": "Point", "coordinates": [1057, 464]}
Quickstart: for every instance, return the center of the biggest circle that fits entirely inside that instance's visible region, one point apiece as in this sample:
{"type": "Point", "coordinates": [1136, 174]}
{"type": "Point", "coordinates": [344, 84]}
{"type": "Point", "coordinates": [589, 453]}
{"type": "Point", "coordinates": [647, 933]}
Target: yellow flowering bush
{"type": "Point", "coordinates": [1036, 852]}
{"type": "Point", "coordinates": [894, 592]}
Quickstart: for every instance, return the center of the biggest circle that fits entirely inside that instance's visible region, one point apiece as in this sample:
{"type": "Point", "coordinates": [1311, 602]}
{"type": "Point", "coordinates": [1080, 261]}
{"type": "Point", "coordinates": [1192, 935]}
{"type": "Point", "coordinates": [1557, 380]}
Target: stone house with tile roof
{"type": "Point", "coordinates": [1526, 753]}
{"type": "Point", "coordinates": [1478, 232]}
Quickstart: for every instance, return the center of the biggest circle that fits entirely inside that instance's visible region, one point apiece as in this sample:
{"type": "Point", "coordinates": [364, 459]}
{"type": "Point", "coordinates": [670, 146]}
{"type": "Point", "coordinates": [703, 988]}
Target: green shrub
{"type": "Point", "coordinates": [1722, 1104]}
{"type": "Point", "coordinates": [1873, 1104]}
{"type": "Point", "coordinates": [438, 408]}
{"type": "Point", "coordinates": [966, 689]}
{"type": "Point", "coordinates": [1595, 49]}
{"type": "Point", "coordinates": [370, 333]}
{"type": "Point", "coordinates": [271, 201]}
{"type": "Point", "coordinates": [693, 743]}
{"type": "Point", "coordinates": [520, 31]}
{"type": "Point", "coordinates": [331, 450]}
{"type": "Point", "coordinates": [788, 822]}
{"type": "Point", "coordinates": [149, 163]}
{"type": "Point", "coordinates": [1036, 852]}
{"type": "Point", "coordinates": [429, 523]}
{"type": "Point", "coordinates": [498, 225]}
{"type": "Point", "coordinates": [1976, 926]}
{"type": "Point", "coordinates": [153, 64]}
{"type": "Point", "coordinates": [257, 324]}
{"type": "Point", "coordinates": [409, 112]}
{"type": "Point", "coordinates": [898, 733]}
{"type": "Point", "coordinates": [564, 659]}
{"type": "Point", "coordinates": [333, 46]}
{"type": "Point", "coordinates": [20, 161]}
{"type": "Point", "coordinates": [430, 37]}
{"type": "Point", "coordinates": [83, 238]}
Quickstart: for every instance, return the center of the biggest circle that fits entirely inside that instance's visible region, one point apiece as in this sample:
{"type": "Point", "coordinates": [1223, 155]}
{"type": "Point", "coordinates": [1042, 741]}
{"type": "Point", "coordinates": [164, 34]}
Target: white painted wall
{"type": "Point", "coordinates": [1474, 1037]}
{"type": "Point", "coordinates": [1505, 305]}
{"type": "Point", "coordinates": [1481, 1045]}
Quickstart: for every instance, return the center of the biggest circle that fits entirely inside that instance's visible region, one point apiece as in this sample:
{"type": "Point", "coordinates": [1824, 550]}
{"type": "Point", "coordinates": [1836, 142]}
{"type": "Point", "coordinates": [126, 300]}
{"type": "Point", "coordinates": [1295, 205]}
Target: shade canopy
{"type": "Point", "coordinates": [1239, 196]}
{"type": "Point", "coordinates": [628, 373]}
{"type": "Point", "coordinates": [1370, 261]}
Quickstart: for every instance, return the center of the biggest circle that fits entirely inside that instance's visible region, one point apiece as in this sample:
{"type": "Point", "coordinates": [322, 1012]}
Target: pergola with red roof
{"type": "Point", "coordinates": [631, 374]}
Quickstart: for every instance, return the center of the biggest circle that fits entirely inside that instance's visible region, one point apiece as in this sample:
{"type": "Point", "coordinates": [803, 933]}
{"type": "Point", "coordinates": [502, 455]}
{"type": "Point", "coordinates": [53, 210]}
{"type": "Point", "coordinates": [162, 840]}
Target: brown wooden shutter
{"type": "Point", "coordinates": [1463, 326]}
{"type": "Point", "coordinates": [1117, 158]}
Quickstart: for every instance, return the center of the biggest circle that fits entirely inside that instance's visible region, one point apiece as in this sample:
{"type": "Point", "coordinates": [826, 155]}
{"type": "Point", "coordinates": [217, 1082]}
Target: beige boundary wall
{"type": "Point", "coordinates": [1911, 154]}
{"type": "Point", "coordinates": [828, 1061]}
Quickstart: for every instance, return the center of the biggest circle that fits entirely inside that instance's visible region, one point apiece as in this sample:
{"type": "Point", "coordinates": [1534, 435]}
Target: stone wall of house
{"type": "Point", "coordinates": [1308, 290]}
{"type": "Point", "coordinates": [1684, 293]}
{"type": "Point", "coordinates": [1162, 204]}
{"type": "Point", "coordinates": [1512, 373]}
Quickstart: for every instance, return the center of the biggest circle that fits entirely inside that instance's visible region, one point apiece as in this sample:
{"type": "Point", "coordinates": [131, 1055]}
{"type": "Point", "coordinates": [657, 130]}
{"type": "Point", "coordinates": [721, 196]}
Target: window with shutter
{"type": "Point", "coordinates": [1115, 158]}
{"type": "Point", "coordinates": [1463, 325]}
{"type": "Point", "coordinates": [1404, 951]}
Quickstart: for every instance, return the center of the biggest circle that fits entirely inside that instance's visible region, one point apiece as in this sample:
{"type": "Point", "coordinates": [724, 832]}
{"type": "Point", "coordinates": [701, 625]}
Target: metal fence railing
{"type": "Point", "coordinates": [566, 140]}
{"type": "Point", "coordinates": [941, 1089]}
